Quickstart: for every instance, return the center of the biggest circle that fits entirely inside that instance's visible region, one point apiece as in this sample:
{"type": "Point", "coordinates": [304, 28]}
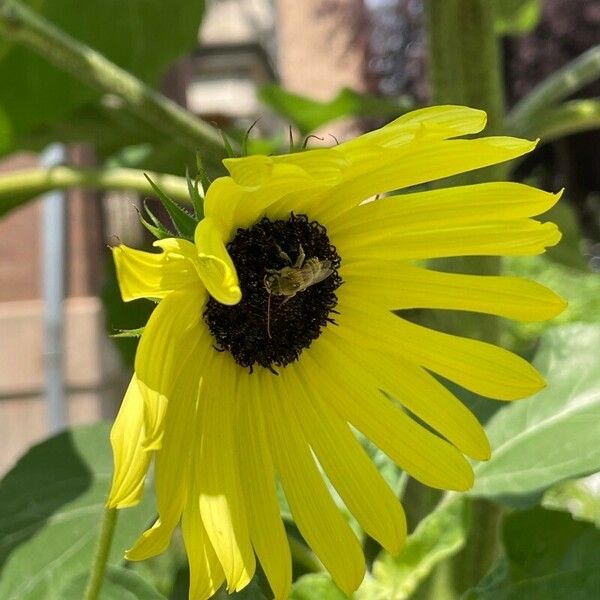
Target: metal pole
{"type": "Point", "coordinates": [53, 284]}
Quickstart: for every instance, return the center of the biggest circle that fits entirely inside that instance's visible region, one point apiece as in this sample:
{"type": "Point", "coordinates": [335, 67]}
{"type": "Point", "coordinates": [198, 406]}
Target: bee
{"type": "Point", "coordinates": [297, 277]}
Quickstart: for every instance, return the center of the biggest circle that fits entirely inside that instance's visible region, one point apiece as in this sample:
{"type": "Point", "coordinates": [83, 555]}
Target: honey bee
{"type": "Point", "coordinates": [297, 277]}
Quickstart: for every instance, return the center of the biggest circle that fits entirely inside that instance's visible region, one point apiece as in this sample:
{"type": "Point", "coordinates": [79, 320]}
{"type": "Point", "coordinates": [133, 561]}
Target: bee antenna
{"type": "Point", "coordinates": [291, 139]}
{"type": "Point", "coordinates": [334, 139]}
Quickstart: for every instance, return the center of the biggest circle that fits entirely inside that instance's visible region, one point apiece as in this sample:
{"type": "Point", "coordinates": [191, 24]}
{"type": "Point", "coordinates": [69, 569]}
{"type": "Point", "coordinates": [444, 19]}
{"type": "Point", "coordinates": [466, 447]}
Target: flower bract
{"type": "Point", "coordinates": [279, 337]}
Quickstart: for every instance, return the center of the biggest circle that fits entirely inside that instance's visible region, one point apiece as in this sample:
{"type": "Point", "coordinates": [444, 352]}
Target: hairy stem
{"type": "Point", "coordinates": [27, 27]}
{"type": "Point", "coordinates": [94, 585]}
{"type": "Point", "coordinates": [465, 69]}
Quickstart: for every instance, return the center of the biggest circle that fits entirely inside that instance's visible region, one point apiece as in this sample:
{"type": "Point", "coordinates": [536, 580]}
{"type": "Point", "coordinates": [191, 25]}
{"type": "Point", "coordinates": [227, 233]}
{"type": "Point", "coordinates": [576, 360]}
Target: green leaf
{"type": "Point", "coordinates": [548, 555]}
{"type": "Point", "coordinates": [580, 497]}
{"type": "Point", "coordinates": [133, 34]}
{"type": "Point", "coordinates": [316, 586]}
{"type": "Point", "coordinates": [308, 114]}
{"type": "Point", "coordinates": [553, 435]}
{"type": "Point", "coordinates": [183, 221]}
{"type": "Point", "coordinates": [440, 535]}
{"type": "Point", "coordinates": [579, 288]}
{"type": "Point", "coordinates": [516, 17]}
{"type": "Point", "coordinates": [119, 584]}
{"type": "Point", "coordinates": [51, 504]}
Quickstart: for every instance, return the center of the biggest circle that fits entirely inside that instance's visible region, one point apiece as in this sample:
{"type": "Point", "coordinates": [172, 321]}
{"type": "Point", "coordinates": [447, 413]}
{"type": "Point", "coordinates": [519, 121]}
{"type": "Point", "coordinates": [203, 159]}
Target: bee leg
{"type": "Point", "coordinates": [283, 254]}
{"type": "Point", "coordinates": [301, 256]}
{"type": "Point", "coordinates": [288, 298]}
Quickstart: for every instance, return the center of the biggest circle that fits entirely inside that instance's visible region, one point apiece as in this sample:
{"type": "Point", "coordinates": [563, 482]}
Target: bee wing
{"type": "Point", "coordinates": [324, 272]}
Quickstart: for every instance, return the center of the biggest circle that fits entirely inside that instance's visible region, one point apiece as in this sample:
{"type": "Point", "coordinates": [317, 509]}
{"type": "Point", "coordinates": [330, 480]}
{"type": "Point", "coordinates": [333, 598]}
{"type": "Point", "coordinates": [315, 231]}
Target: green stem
{"type": "Point", "coordinates": [25, 26]}
{"type": "Point", "coordinates": [32, 182]}
{"type": "Point", "coordinates": [465, 69]}
{"type": "Point", "coordinates": [572, 77]}
{"type": "Point", "coordinates": [560, 121]}
{"type": "Point", "coordinates": [94, 585]}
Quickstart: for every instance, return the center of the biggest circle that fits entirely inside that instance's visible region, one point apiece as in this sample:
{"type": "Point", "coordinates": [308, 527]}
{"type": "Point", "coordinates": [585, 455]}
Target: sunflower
{"type": "Point", "coordinates": [274, 342]}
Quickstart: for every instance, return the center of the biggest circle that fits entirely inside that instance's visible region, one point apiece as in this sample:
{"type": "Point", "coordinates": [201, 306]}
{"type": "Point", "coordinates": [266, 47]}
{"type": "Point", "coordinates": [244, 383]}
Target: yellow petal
{"type": "Point", "coordinates": [356, 398]}
{"type": "Point", "coordinates": [172, 460]}
{"type": "Point", "coordinates": [315, 514]}
{"type": "Point", "coordinates": [214, 265]}
{"type": "Point", "coordinates": [152, 542]}
{"type": "Point", "coordinates": [426, 398]}
{"type": "Point", "coordinates": [131, 459]}
{"type": "Point", "coordinates": [442, 121]}
{"type": "Point", "coordinates": [478, 366]}
{"type": "Point", "coordinates": [248, 171]}
{"type": "Point", "coordinates": [398, 285]}
{"type": "Point", "coordinates": [258, 479]}
{"type": "Point", "coordinates": [237, 205]}
{"type": "Point", "coordinates": [350, 470]}
{"type": "Point", "coordinates": [446, 207]}
{"type": "Point", "coordinates": [418, 162]}
{"type": "Point", "coordinates": [324, 164]}
{"type": "Point", "coordinates": [168, 339]}
{"type": "Point", "coordinates": [525, 237]}
{"type": "Point", "coordinates": [147, 275]}
{"type": "Point", "coordinates": [222, 501]}
{"type": "Point", "coordinates": [206, 574]}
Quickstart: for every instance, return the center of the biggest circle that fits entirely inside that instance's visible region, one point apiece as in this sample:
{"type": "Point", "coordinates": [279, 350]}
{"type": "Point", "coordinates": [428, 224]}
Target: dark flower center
{"type": "Point", "coordinates": [288, 273]}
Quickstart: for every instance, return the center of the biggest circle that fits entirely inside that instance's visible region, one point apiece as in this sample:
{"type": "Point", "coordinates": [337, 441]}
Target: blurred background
{"type": "Point", "coordinates": [329, 68]}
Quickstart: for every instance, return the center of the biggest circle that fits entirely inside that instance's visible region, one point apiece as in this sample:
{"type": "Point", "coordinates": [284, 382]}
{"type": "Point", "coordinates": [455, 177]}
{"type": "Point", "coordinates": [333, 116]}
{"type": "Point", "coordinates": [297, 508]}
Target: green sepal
{"type": "Point", "coordinates": [197, 199]}
{"type": "Point", "coordinates": [156, 228]}
{"type": "Point", "coordinates": [247, 135]}
{"type": "Point", "coordinates": [184, 222]}
{"type": "Point", "coordinates": [202, 175]}
{"type": "Point", "coordinates": [227, 144]}
{"type": "Point", "coordinates": [128, 333]}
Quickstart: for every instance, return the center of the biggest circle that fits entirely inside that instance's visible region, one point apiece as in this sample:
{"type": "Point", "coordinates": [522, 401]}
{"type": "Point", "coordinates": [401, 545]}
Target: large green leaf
{"type": "Point", "coordinates": [51, 504]}
{"type": "Point", "coordinates": [553, 435]}
{"type": "Point", "coordinates": [141, 36]}
{"type": "Point", "coordinates": [548, 555]}
{"type": "Point", "coordinates": [118, 584]}
{"type": "Point", "coordinates": [580, 497]}
{"type": "Point", "coordinates": [440, 535]}
{"type": "Point", "coordinates": [308, 114]}
{"type": "Point", "coordinates": [581, 289]}
{"type": "Point", "coordinates": [316, 586]}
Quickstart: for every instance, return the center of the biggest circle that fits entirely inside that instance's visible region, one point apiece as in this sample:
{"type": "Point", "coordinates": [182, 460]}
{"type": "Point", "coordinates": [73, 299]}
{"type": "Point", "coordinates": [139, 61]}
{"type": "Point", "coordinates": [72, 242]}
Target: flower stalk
{"type": "Point", "coordinates": [107, 530]}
